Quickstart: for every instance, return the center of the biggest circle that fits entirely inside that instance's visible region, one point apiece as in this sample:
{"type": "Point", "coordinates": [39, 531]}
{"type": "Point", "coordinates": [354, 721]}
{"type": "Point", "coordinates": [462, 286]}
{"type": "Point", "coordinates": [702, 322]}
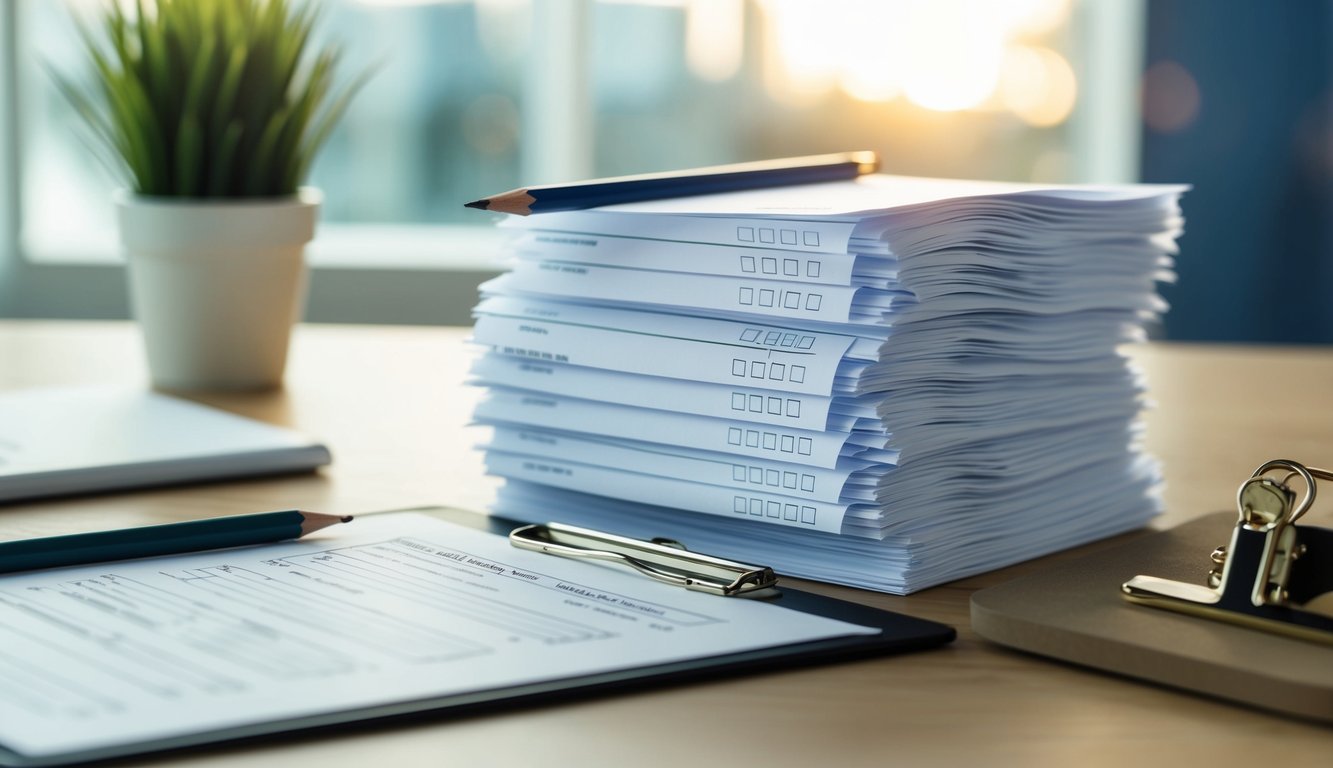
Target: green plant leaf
{"type": "Point", "coordinates": [222, 167]}
{"type": "Point", "coordinates": [189, 157]}
{"type": "Point", "coordinates": [261, 174]}
{"type": "Point", "coordinates": [218, 98]}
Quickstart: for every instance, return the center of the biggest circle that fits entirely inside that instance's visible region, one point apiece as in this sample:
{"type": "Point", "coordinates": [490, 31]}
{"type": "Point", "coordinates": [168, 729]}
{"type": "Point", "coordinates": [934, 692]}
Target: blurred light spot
{"type": "Point", "coordinates": [1038, 85]}
{"type": "Point", "coordinates": [871, 54]}
{"type": "Point", "coordinates": [714, 38]}
{"type": "Point", "coordinates": [955, 54]}
{"type": "Point", "coordinates": [801, 58]}
{"type": "Point", "coordinates": [1170, 97]}
{"type": "Point", "coordinates": [943, 55]}
{"type": "Point", "coordinates": [1032, 17]}
{"type": "Point", "coordinates": [490, 124]}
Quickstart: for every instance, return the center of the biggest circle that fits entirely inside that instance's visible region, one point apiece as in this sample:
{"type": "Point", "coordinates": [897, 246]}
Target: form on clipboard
{"type": "Point", "coordinates": [395, 614]}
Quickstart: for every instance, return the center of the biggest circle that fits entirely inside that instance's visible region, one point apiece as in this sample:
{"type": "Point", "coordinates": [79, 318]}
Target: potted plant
{"type": "Point", "coordinates": [212, 111]}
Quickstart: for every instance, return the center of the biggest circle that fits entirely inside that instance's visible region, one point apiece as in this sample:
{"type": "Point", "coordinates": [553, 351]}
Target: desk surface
{"type": "Point", "coordinates": [388, 402]}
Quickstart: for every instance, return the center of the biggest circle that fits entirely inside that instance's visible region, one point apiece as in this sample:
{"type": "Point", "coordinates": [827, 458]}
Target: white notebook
{"type": "Point", "coordinates": [58, 441]}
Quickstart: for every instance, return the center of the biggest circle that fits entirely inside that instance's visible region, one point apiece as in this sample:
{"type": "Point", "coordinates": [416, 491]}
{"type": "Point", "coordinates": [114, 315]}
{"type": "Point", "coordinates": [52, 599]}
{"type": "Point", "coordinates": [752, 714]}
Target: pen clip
{"type": "Point", "coordinates": [670, 564]}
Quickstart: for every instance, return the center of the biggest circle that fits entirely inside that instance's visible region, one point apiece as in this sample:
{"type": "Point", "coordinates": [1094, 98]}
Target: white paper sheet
{"type": "Point", "coordinates": [808, 236]}
{"type": "Point", "coordinates": [688, 258]}
{"type": "Point", "coordinates": [753, 506]}
{"type": "Point", "coordinates": [780, 301]}
{"type": "Point", "coordinates": [879, 193]}
{"type": "Point", "coordinates": [702, 399]}
{"type": "Point", "coordinates": [696, 349]}
{"type": "Point", "coordinates": [385, 609]}
{"type": "Point", "coordinates": [719, 469]}
{"type": "Point", "coordinates": [742, 438]}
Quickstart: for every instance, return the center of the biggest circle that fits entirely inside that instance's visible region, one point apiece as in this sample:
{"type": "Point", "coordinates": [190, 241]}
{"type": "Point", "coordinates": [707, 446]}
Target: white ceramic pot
{"type": "Point", "coordinates": [217, 285]}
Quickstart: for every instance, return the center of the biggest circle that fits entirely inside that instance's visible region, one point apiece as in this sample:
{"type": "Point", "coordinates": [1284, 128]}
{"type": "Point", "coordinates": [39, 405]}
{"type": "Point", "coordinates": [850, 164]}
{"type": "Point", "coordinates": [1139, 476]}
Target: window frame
{"type": "Point", "coordinates": [431, 272]}
{"type": "Point", "coordinates": [429, 275]}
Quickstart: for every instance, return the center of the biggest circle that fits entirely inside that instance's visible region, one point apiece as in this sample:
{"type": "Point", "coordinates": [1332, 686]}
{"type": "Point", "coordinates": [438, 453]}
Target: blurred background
{"type": "Point", "coordinates": [475, 97]}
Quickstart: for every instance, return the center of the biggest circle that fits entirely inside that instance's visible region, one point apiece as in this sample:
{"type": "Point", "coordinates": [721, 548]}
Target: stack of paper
{"type": "Point", "coordinates": [887, 382]}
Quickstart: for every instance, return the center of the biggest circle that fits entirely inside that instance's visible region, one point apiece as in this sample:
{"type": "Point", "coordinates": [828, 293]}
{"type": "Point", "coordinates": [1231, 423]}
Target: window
{"type": "Point", "coordinates": [472, 98]}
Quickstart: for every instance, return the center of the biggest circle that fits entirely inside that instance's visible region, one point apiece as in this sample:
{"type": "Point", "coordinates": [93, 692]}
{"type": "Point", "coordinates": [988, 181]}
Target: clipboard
{"type": "Point", "coordinates": [1074, 611]}
{"type": "Point", "coordinates": [896, 634]}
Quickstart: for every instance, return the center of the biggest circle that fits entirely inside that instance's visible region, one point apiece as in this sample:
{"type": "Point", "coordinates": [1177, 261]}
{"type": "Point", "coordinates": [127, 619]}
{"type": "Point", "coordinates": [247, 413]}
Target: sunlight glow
{"type": "Point", "coordinates": [1038, 85]}
{"type": "Point", "coordinates": [714, 38]}
{"type": "Point", "coordinates": [942, 55]}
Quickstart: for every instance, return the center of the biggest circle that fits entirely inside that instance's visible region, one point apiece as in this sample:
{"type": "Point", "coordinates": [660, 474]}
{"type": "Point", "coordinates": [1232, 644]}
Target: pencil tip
{"type": "Point", "coordinates": [346, 519]}
{"type": "Point", "coordinates": [478, 204]}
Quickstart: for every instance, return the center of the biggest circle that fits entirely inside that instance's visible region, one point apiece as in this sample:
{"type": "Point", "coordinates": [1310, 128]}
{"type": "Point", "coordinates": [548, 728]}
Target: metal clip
{"type": "Point", "coordinates": [1272, 569]}
{"type": "Point", "coordinates": [662, 559]}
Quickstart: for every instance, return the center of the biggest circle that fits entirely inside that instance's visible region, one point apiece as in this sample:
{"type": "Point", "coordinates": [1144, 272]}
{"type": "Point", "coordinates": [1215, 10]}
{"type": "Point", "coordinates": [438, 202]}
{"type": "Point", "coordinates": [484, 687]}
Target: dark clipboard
{"type": "Point", "coordinates": [898, 634]}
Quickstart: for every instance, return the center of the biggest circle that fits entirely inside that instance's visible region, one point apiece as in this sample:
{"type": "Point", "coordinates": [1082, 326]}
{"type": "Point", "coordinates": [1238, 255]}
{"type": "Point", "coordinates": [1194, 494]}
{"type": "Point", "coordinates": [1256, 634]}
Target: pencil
{"type": "Point", "coordinates": [153, 540]}
{"type": "Point", "coordinates": [697, 181]}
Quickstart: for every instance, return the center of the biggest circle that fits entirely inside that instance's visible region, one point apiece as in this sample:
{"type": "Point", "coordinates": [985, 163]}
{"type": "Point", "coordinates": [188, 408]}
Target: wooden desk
{"type": "Point", "coordinates": [389, 403]}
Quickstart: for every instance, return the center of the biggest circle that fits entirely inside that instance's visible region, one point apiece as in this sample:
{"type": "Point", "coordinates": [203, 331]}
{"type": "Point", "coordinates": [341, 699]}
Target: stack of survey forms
{"type": "Point", "coordinates": [887, 383]}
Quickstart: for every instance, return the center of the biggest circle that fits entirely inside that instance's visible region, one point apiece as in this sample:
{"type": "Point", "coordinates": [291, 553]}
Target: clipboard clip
{"type": "Point", "coordinates": [662, 559]}
{"type": "Point", "coordinates": [1272, 573]}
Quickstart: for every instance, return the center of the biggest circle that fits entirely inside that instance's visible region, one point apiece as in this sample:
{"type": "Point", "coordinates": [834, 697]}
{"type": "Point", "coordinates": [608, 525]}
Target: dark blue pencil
{"type": "Point", "coordinates": [153, 540]}
{"type": "Point", "coordinates": [696, 181]}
